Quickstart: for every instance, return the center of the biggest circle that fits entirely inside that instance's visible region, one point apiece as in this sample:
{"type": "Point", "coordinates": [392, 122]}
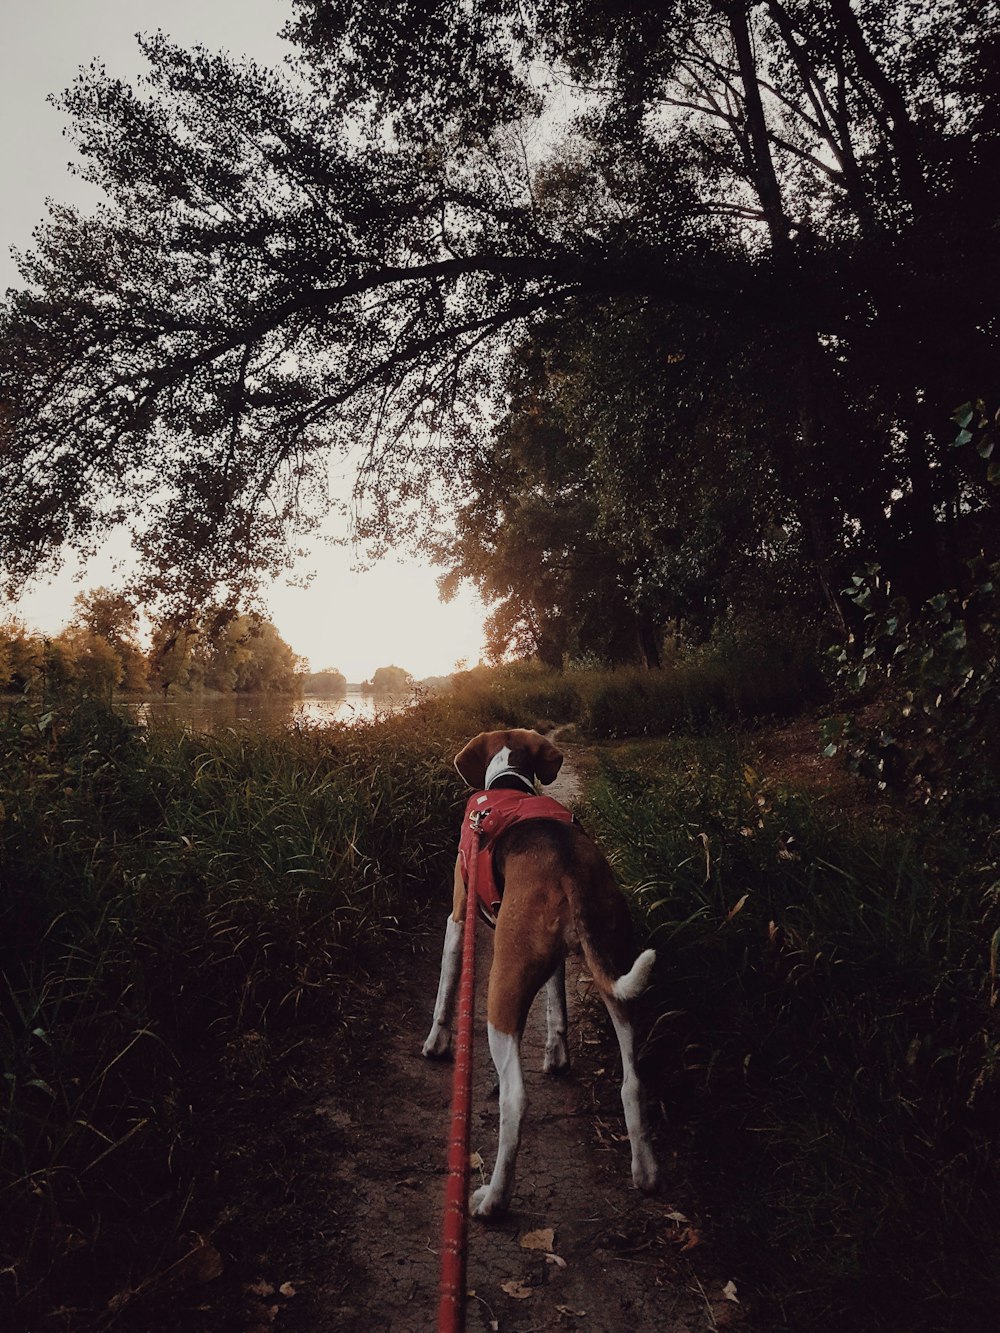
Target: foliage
{"type": "Point", "coordinates": [328, 683]}
{"type": "Point", "coordinates": [340, 256]}
{"type": "Point", "coordinates": [227, 653]}
{"type": "Point", "coordinates": [98, 653]}
{"type": "Point", "coordinates": [932, 678]}
{"type": "Point", "coordinates": [166, 898]}
{"type": "Point", "coordinates": [821, 1034]}
{"type": "Point", "coordinates": [392, 680]}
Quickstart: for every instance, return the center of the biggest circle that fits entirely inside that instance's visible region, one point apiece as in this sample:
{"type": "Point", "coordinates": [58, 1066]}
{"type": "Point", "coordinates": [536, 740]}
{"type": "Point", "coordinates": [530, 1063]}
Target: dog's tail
{"type": "Point", "coordinates": [632, 983]}
{"type": "Point", "coordinates": [604, 929]}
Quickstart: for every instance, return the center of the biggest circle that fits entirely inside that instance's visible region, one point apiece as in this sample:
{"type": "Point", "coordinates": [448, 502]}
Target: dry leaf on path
{"type": "Point", "coordinates": [729, 1291]}
{"type": "Point", "coordinates": [516, 1288]}
{"type": "Point", "coordinates": [286, 1289]}
{"type": "Point", "coordinates": [539, 1240]}
{"type": "Point", "coordinates": [556, 1259]}
{"type": "Point", "coordinates": [574, 1314]}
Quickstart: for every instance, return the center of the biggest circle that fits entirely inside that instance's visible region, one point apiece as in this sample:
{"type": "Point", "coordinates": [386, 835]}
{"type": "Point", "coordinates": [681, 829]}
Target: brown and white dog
{"type": "Point", "coordinates": [559, 897]}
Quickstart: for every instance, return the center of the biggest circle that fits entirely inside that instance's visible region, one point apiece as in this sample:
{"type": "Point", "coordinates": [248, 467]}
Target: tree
{"type": "Point", "coordinates": [328, 683]}
{"type": "Point", "coordinates": [391, 680]}
{"type": "Point", "coordinates": [112, 618]}
{"type": "Point", "coordinates": [240, 654]}
{"type": "Point", "coordinates": [288, 266]}
{"type": "Point", "coordinates": [21, 657]}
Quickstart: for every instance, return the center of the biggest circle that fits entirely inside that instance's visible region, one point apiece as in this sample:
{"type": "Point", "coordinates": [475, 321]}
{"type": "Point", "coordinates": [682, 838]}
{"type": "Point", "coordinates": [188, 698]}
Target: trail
{"type": "Point", "coordinates": [620, 1263]}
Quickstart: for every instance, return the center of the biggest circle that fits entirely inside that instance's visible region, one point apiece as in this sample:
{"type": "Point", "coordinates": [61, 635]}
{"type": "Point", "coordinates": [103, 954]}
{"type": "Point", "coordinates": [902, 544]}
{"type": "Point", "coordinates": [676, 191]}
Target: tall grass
{"type": "Point", "coordinates": [822, 1023]}
{"type": "Point", "coordinates": [163, 893]}
{"type": "Point", "coordinates": [744, 672]}
{"type": "Point", "coordinates": [516, 694]}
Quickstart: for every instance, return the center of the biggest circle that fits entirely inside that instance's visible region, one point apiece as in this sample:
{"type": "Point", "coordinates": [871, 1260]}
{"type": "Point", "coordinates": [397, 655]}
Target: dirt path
{"type": "Point", "coordinates": [619, 1264]}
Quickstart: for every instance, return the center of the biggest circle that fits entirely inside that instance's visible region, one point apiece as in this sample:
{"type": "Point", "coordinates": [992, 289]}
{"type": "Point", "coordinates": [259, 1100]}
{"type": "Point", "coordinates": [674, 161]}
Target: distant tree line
{"type": "Point", "coordinates": [99, 652]}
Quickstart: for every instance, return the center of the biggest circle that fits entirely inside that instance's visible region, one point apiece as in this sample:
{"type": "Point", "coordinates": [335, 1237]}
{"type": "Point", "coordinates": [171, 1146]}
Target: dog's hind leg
{"type": "Point", "coordinates": [556, 1022]}
{"type": "Point", "coordinates": [438, 1041]}
{"type": "Point", "coordinates": [645, 1174]}
{"type": "Point", "coordinates": [519, 971]}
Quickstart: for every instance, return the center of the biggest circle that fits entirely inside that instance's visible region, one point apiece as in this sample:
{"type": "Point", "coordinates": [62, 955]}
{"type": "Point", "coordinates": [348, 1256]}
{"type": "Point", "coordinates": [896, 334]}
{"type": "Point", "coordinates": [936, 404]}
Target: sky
{"type": "Point", "coordinates": [349, 619]}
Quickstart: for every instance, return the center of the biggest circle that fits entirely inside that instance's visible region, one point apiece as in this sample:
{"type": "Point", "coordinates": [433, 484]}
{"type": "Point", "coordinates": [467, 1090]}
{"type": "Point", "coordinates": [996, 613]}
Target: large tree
{"type": "Point", "coordinates": [340, 256]}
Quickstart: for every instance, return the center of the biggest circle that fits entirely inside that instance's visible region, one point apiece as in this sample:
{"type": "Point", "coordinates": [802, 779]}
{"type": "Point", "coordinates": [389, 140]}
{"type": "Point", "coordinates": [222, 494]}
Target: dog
{"type": "Point", "coordinates": [558, 897]}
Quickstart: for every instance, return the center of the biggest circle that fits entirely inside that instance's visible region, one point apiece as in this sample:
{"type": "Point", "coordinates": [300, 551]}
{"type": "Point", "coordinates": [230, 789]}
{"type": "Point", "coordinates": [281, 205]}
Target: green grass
{"type": "Point", "coordinates": [163, 895]}
{"type": "Point", "coordinates": [821, 1025]}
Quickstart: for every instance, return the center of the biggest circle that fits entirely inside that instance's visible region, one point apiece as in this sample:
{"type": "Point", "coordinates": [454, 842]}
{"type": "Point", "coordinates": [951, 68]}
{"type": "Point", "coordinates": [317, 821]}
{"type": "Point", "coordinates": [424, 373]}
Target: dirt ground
{"type": "Point", "coordinates": [616, 1267]}
{"type": "Point", "coordinates": [343, 1192]}
{"type": "Point", "coordinates": [615, 1260]}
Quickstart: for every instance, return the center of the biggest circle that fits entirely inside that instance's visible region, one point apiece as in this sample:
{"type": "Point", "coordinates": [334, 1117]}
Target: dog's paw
{"type": "Point", "coordinates": [438, 1044]}
{"type": "Point", "coordinates": [485, 1203]}
{"type": "Point", "coordinates": [645, 1172]}
{"type": "Point", "coordinates": [556, 1057]}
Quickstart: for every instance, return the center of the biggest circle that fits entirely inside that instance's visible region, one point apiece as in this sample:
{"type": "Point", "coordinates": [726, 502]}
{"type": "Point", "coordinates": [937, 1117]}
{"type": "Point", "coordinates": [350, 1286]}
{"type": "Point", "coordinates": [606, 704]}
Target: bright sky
{"type": "Point", "coordinates": [354, 621]}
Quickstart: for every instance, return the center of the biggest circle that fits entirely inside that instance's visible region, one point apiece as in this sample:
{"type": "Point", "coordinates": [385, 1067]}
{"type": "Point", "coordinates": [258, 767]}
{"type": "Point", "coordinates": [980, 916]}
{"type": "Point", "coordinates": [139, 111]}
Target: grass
{"type": "Point", "coordinates": [821, 1023]}
{"type": "Point", "coordinates": [821, 1028]}
{"type": "Point", "coordinates": [165, 896]}
{"type": "Point", "coordinates": [738, 676]}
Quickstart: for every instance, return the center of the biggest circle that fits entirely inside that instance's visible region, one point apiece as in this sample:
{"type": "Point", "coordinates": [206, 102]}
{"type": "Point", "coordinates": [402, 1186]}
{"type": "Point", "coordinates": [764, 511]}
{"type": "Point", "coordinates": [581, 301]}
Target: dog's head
{"type": "Point", "coordinates": [508, 759]}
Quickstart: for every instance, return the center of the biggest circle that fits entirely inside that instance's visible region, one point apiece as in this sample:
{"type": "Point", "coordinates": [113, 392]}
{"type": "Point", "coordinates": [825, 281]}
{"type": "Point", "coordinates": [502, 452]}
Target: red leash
{"type": "Point", "coordinates": [451, 1311]}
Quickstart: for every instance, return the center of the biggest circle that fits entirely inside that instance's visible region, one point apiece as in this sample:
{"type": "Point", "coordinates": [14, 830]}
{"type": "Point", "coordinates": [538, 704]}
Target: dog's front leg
{"type": "Point", "coordinates": [438, 1041]}
{"type": "Point", "coordinates": [493, 1199]}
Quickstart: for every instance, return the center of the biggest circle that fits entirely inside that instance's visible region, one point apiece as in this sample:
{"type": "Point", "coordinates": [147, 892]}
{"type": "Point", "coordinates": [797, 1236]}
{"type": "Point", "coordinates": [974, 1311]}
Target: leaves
{"type": "Point", "coordinates": [538, 1240]}
{"type": "Point", "coordinates": [516, 1289]}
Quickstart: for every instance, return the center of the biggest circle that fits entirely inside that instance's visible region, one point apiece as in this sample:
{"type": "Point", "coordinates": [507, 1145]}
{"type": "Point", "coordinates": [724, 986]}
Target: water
{"type": "Point", "coordinates": [211, 714]}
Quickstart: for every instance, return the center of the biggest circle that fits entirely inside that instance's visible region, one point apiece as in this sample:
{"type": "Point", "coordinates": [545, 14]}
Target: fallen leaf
{"type": "Point", "coordinates": [476, 1161]}
{"type": "Point", "coordinates": [260, 1288]}
{"type": "Point", "coordinates": [538, 1240]}
{"type": "Point", "coordinates": [202, 1263]}
{"type": "Point", "coordinates": [575, 1314]}
{"type": "Point", "coordinates": [556, 1259]}
{"type": "Point", "coordinates": [286, 1289]}
{"type": "Point", "coordinates": [729, 1291]}
{"type": "Point", "coordinates": [693, 1239]}
{"type": "Point", "coordinates": [678, 1217]}
{"type": "Point", "coordinates": [516, 1288]}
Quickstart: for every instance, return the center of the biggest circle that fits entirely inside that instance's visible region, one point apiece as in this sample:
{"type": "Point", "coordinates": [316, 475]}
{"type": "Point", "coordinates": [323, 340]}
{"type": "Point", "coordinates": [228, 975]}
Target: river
{"type": "Point", "coordinates": [202, 713]}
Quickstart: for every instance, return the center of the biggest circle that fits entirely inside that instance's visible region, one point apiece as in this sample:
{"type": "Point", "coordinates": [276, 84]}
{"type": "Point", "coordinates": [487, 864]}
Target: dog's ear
{"type": "Point", "coordinates": [547, 759]}
{"type": "Point", "coordinates": [472, 761]}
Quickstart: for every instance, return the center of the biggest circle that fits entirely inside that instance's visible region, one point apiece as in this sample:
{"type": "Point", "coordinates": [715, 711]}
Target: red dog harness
{"type": "Point", "coordinates": [499, 811]}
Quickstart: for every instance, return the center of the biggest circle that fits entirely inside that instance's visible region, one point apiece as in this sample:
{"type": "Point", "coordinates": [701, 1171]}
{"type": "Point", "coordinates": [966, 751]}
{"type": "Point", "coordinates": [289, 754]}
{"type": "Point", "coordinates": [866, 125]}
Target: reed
{"type": "Point", "coordinates": [164, 895]}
